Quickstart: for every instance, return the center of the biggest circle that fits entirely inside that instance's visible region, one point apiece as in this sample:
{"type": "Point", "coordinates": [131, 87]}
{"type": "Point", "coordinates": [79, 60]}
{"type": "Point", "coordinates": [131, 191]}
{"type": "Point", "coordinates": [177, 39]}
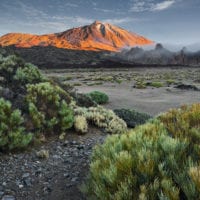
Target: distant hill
{"type": "Point", "coordinates": [94, 37]}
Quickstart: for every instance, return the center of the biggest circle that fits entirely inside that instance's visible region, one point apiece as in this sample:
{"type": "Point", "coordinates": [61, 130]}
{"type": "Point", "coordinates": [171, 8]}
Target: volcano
{"type": "Point", "coordinates": [97, 36]}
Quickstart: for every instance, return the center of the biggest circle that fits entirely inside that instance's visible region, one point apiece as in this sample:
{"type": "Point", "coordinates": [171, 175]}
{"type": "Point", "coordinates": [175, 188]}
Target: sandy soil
{"type": "Point", "coordinates": [150, 100]}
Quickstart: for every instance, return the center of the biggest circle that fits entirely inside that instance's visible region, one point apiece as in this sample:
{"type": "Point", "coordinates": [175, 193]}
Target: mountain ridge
{"type": "Point", "coordinates": [95, 37]}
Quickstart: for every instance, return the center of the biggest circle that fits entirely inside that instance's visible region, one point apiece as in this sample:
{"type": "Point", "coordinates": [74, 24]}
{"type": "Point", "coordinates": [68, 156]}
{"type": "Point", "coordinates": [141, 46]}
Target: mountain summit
{"type": "Point", "coordinates": [95, 37]}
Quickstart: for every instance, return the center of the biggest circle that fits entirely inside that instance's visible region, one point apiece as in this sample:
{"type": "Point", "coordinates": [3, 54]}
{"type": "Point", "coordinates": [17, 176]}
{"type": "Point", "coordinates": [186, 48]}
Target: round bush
{"type": "Point", "coordinates": [148, 163]}
{"type": "Point", "coordinates": [131, 117]}
{"type": "Point", "coordinates": [99, 97]}
{"type": "Point", "coordinates": [12, 131]}
{"type": "Point", "coordinates": [48, 109]}
{"type": "Point", "coordinates": [28, 74]}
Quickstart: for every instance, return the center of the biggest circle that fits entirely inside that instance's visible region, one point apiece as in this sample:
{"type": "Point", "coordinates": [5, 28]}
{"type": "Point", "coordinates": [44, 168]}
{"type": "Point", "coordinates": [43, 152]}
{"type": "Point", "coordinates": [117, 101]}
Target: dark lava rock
{"type": "Point", "coordinates": [187, 87]}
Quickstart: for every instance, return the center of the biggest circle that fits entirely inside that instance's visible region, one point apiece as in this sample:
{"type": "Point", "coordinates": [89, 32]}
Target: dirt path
{"type": "Point", "coordinates": [26, 177]}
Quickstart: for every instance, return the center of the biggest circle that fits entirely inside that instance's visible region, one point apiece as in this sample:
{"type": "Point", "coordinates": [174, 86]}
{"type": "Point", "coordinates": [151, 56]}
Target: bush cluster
{"type": "Point", "coordinates": [158, 160]}
{"type": "Point", "coordinates": [98, 97]}
{"type": "Point", "coordinates": [132, 117]}
{"type": "Point", "coordinates": [37, 106]}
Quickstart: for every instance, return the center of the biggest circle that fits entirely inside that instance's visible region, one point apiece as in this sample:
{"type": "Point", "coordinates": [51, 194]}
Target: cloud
{"type": "Point", "coordinates": [118, 20]}
{"type": "Point", "coordinates": [162, 6]}
{"type": "Point", "coordinates": [72, 5]}
{"type": "Point", "coordinates": [108, 10]}
{"type": "Point", "coordinates": [150, 5]}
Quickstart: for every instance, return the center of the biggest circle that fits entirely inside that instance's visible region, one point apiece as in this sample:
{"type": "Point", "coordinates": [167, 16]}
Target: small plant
{"type": "Point", "coordinates": [99, 97]}
{"type": "Point", "coordinates": [80, 124]}
{"type": "Point", "coordinates": [156, 84]}
{"type": "Point", "coordinates": [12, 131]}
{"type": "Point", "coordinates": [140, 85]}
{"type": "Point", "coordinates": [131, 117]}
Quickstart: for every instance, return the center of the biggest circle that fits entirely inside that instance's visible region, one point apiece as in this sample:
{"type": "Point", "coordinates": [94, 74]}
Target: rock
{"type": "Point", "coordinates": [25, 175]}
{"type": "Point", "coordinates": [43, 154]}
{"type": "Point", "coordinates": [1, 193]}
{"type": "Point", "coordinates": [27, 182]}
{"type": "Point", "coordinates": [74, 179]}
{"type": "Point", "coordinates": [66, 175]}
{"type": "Point", "coordinates": [8, 197]}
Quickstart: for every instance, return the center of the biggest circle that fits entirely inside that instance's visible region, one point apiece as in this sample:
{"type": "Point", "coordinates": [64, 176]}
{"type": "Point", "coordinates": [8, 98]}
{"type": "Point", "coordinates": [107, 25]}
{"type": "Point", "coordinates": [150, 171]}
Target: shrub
{"type": "Point", "coordinates": [156, 84]}
{"type": "Point", "coordinates": [184, 124]}
{"type": "Point", "coordinates": [9, 66]}
{"type": "Point", "coordinates": [103, 118]}
{"type": "Point", "coordinates": [98, 97]}
{"type": "Point", "coordinates": [131, 117]}
{"type": "Point", "coordinates": [12, 131]}
{"type": "Point", "coordinates": [150, 162]}
{"type": "Point", "coordinates": [83, 100]}
{"type": "Point", "coordinates": [80, 124]}
{"type": "Point", "coordinates": [140, 85]}
{"type": "Point", "coordinates": [48, 109]}
{"type": "Point", "coordinates": [28, 74]}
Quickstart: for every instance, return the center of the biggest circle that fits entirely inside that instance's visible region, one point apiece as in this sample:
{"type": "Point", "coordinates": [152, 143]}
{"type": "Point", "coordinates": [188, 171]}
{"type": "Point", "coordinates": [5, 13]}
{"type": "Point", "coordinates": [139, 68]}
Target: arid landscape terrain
{"type": "Point", "coordinates": [104, 109]}
{"type": "Point", "coordinates": [124, 86]}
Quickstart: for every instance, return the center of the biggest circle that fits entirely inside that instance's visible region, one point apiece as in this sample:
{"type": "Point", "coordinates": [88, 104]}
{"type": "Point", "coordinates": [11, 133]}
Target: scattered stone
{"type": "Point", "coordinates": [25, 175]}
{"type": "Point", "coordinates": [44, 154]}
{"type": "Point", "coordinates": [187, 87]}
{"type": "Point", "coordinates": [8, 197]}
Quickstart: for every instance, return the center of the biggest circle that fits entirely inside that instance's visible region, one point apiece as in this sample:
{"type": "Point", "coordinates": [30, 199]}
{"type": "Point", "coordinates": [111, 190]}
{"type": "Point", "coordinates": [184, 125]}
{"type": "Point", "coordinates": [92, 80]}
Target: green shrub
{"type": "Point", "coordinates": [99, 97]}
{"type": "Point", "coordinates": [131, 117]}
{"type": "Point", "coordinates": [153, 161]}
{"type": "Point", "coordinates": [9, 66]}
{"type": "Point", "coordinates": [103, 118]}
{"type": "Point", "coordinates": [156, 84]}
{"type": "Point", "coordinates": [48, 109]}
{"type": "Point", "coordinates": [140, 85]}
{"type": "Point", "coordinates": [12, 131]}
{"type": "Point", "coordinates": [28, 74]}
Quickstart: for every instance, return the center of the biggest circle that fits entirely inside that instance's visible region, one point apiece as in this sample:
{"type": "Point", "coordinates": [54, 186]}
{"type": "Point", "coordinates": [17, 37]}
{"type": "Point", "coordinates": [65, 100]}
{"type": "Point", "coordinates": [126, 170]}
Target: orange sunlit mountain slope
{"type": "Point", "coordinates": [95, 37]}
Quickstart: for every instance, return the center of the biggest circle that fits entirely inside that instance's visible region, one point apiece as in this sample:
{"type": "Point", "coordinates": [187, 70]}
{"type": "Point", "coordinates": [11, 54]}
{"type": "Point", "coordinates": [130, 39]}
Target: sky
{"type": "Point", "coordinates": [165, 21]}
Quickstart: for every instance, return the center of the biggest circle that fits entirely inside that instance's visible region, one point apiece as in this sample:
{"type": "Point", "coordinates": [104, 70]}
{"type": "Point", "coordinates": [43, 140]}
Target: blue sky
{"type": "Point", "coordinates": [166, 21]}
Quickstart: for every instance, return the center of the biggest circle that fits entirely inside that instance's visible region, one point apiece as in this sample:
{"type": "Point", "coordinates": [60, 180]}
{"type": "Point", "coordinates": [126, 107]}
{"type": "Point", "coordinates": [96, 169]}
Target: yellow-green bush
{"type": "Point", "coordinates": [48, 110]}
{"type": "Point", "coordinates": [80, 124]}
{"type": "Point", "coordinates": [151, 162]}
{"type": "Point", "coordinates": [184, 123]}
{"type": "Point", "coordinates": [12, 131]}
{"type": "Point", "coordinates": [102, 118]}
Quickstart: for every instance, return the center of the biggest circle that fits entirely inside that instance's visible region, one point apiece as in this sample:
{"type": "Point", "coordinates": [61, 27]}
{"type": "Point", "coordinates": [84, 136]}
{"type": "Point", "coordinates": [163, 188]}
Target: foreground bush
{"type": "Point", "coordinates": [184, 124]}
{"type": "Point", "coordinates": [147, 163]}
{"type": "Point", "coordinates": [98, 97]}
{"type": "Point", "coordinates": [131, 117]}
{"type": "Point", "coordinates": [12, 131]}
{"type": "Point", "coordinates": [48, 108]}
{"type": "Point", "coordinates": [103, 118]}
